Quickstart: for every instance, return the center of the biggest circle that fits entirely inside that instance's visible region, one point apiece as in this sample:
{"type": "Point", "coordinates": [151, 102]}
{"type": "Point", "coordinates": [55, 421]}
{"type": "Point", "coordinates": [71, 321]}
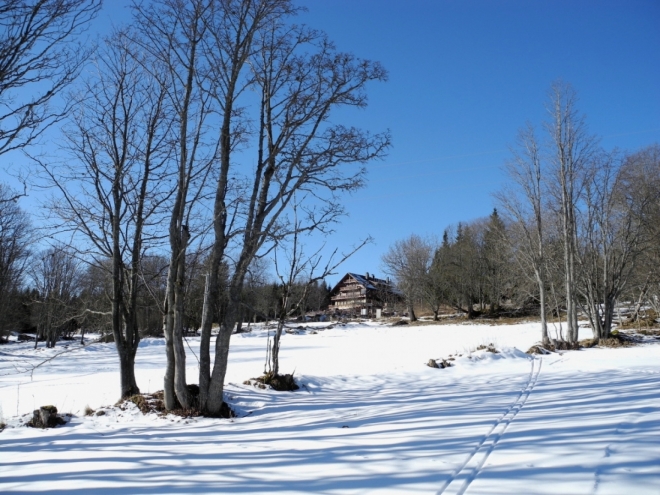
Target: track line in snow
{"type": "Point", "coordinates": [462, 477]}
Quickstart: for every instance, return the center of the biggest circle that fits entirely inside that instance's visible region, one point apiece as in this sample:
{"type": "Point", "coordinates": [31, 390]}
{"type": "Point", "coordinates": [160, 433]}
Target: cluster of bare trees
{"type": "Point", "coordinates": [240, 83]}
{"type": "Point", "coordinates": [196, 133]}
{"type": "Point", "coordinates": [586, 227]}
{"type": "Point", "coordinates": [576, 232]}
{"type": "Point", "coordinates": [467, 269]}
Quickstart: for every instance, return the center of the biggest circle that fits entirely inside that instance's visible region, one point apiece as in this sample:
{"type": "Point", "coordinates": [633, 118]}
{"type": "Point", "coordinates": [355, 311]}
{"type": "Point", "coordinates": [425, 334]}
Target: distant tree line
{"type": "Point", "coordinates": [576, 229]}
{"type": "Point", "coordinates": [53, 294]}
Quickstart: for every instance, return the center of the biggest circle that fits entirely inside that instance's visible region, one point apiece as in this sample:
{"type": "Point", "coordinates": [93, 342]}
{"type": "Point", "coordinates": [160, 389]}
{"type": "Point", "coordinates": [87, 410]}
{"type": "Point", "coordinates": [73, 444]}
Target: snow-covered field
{"type": "Point", "coordinates": [371, 417]}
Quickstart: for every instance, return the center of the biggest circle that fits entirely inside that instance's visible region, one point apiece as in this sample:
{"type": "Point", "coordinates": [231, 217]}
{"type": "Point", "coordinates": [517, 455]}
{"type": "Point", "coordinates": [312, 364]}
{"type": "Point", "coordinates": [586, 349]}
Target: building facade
{"type": "Point", "coordinates": [364, 295]}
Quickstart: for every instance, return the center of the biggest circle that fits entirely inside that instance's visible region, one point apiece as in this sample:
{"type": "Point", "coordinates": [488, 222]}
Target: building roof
{"type": "Point", "coordinates": [363, 280]}
{"type": "Point", "coordinates": [372, 283]}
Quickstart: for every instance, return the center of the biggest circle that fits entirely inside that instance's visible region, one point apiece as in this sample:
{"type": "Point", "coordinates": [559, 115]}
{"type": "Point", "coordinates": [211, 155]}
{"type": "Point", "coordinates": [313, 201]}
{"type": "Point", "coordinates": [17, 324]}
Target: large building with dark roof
{"type": "Point", "coordinates": [365, 295]}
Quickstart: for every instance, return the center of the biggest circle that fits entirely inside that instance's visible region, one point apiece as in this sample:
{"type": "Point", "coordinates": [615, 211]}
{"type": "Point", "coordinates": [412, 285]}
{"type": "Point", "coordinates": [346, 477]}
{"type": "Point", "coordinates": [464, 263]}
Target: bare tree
{"type": "Point", "coordinates": [95, 314]}
{"type": "Point", "coordinates": [639, 180]}
{"type": "Point", "coordinates": [40, 54]}
{"type": "Point", "coordinates": [572, 187]}
{"type": "Point", "coordinates": [15, 239]}
{"type": "Point", "coordinates": [609, 244]}
{"type": "Point", "coordinates": [571, 151]}
{"type": "Point", "coordinates": [617, 235]}
{"type": "Point", "coordinates": [297, 276]}
{"type": "Point", "coordinates": [212, 52]}
{"type": "Point", "coordinates": [234, 29]}
{"type": "Point", "coordinates": [171, 34]}
{"type": "Point", "coordinates": [523, 202]}
{"type": "Point", "coordinates": [56, 275]}
{"type": "Point", "coordinates": [110, 195]}
{"type": "Point", "coordinates": [409, 262]}
{"type": "Point", "coordinates": [300, 78]}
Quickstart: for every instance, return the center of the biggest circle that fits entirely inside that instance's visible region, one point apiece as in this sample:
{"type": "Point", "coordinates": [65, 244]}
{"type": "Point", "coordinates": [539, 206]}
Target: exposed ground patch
{"type": "Point", "coordinates": [155, 403]}
{"type": "Point", "coordinates": [280, 383]}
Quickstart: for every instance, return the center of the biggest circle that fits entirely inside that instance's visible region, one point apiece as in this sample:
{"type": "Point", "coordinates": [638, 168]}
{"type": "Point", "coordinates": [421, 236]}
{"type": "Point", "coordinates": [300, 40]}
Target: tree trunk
{"type": "Point", "coordinates": [544, 319]}
{"type": "Point", "coordinates": [411, 312]}
{"type": "Point", "coordinates": [205, 343]}
{"type": "Point", "coordinates": [569, 282]}
{"type": "Point", "coordinates": [542, 310]}
{"type": "Point", "coordinates": [573, 325]}
{"type": "Point", "coordinates": [216, 384]}
{"type": "Point", "coordinates": [168, 380]}
{"type": "Point", "coordinates": [593, 313]}
{"type": "Point", "coordinates": [180, 385]}
{"type": "Point", "coordinates": [127, 371]}
{"type": "Point", "coordinates": [275, 353]}
{"type": "Point", "coordinates": [608, 317]}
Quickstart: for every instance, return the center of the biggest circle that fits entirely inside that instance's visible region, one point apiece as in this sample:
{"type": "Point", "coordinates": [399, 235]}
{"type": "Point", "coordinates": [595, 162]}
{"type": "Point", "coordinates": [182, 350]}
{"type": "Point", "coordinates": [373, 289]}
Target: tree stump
{"type": "Point", "coordinates": [45, 417]}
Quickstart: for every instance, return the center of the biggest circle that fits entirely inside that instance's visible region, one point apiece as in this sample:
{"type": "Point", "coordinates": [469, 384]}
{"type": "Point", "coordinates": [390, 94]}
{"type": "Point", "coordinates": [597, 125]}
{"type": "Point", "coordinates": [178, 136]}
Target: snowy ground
{"type": "Point", "coordinates": [371, 417]}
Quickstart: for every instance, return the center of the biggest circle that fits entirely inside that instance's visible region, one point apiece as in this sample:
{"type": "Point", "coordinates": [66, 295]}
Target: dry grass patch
{"type": "Point", "coordinates": [488, 348]}
{"type": "Point", "coordinates": [617, 339]}
{"type": "Point", "coordinates": [645, 321]}
{"type": "Point", "coordinates": [649, 332]}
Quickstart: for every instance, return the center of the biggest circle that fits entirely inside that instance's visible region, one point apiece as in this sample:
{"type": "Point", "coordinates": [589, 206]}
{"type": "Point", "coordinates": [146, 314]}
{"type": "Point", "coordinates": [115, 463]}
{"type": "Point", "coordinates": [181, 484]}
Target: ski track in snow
{"type": "Point", "coordinates": [461, 479]}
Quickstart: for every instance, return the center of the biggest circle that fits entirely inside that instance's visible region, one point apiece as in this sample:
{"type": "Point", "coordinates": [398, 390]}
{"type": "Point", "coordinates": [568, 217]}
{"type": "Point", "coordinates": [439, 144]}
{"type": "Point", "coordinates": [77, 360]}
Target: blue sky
{"type": "Point", "coordinates": [464, 76]}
